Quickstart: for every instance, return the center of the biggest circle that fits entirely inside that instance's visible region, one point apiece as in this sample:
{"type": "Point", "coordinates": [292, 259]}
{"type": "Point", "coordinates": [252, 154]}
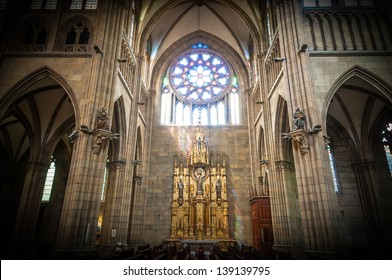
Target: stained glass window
{"type": "Point", "coordinates": [200, 87]}
{"type": "Point", "coordinates": [105, 181]}
{"type": "Point", "coordinates": [49, 181]}
{"type": "Point", "coordinates": [333, 169]}
{"type": "Point", "coordinates": [387, 143]}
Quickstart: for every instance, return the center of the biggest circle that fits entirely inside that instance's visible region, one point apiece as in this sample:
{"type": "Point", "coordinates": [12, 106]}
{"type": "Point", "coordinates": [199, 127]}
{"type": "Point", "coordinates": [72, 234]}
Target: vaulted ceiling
{"type": "Point", "coordinates": [165, 22]}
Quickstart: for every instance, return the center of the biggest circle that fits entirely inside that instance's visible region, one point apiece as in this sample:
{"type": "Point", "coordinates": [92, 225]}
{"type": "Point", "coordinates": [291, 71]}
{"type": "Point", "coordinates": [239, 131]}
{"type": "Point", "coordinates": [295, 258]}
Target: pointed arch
{"type": "Point", "coordinates": [17, 91]}
{"type": "Point", "coordinates": [380, 84]}
{"type": "Point", "coordinates": [119, 126]}
{"type": "Point", "coordinates": [75, 35]}
{"type": "Point", "coordinates": [282, 126]}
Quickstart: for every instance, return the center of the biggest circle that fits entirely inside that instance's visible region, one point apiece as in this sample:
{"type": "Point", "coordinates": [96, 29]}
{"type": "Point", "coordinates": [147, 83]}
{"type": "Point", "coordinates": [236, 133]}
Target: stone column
{"type": "Point", "coordinates": [116, 199]}
{"type": "Point", "coordinates": [77, 229]}
{"type": "Point", "coordinates": [315, 187]}
{"type": "Point", "coordinates": [288, 235]}
{"type": "Point", "coordinates": [27, 216]}
{"type": "Point", "coordinates": [365, 181]}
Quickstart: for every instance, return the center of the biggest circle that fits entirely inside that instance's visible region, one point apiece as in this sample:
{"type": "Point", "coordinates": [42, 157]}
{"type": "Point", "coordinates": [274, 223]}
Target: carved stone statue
{"type": "Point", "coordinates": [102, 119]}
{"type": "Point", "coordinates": [298, 119]}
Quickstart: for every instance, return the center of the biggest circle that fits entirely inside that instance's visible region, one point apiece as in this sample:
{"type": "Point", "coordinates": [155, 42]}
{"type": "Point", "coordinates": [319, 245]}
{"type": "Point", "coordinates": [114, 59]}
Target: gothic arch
{"type": "Point", "coordinates": [17, 91]}
{"type": "Point", "coordinates": [80, 24]}
{"type": "Point", "coordinates": [37, 24]}
{"type": "Point", "coordinates": [38, 113]}
{"type": "Point", "coordinates": [282, 126]}
{"type": "Point", "coordinates": [352, 128]}
{"type": "Point", "coordinates": [118, 148]}
{"type": "Point", "coordinates": [380, 84]}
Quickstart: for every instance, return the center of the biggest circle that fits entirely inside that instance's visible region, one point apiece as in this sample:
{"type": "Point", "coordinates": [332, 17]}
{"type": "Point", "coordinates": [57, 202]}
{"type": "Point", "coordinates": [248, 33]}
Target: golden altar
{"type": "Point", "coordinates": [199, 209]}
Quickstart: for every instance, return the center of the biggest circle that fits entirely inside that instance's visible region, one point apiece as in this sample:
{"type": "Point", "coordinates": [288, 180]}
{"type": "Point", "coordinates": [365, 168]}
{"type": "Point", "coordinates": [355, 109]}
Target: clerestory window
{"type": "Point", "coordinates": [333, 170]}
{"type": "Point", "coordinates": [43, 4]}
{"type": "Point", "coordinates": [83, 4]}
{"type": "Point", "coordinates": [77, 37]}
{"type": "Point", "coordinates": [200, 87]}
{"type": "Point", "coordinates": [48, 186]}
{"type": "Point", "coordinates": [33, 37]}
{"type": "Point", "coordinates": [387, 143]}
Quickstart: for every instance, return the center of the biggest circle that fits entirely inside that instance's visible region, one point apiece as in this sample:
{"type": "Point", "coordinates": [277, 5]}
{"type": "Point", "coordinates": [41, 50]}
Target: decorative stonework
{"type": "Point", "coordinates": [284, 165]}
{"type": "Point", "coordinates": [118, 164]}
{"type": "Point", "coordinates": [301, 138]}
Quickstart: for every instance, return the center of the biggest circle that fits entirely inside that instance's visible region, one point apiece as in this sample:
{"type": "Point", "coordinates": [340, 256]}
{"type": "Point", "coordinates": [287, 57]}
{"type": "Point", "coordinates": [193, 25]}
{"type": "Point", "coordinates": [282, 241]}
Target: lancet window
{"type": "Point", "coordinates": [387, 143]}
{"type": "Point", "coordinates": [49, 181]}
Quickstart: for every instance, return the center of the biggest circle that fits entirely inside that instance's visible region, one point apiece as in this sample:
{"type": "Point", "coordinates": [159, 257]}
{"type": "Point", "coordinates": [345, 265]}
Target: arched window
{"type": "Point", "coordinates": [200, 86]}
{"type": "Point", "coordinates": [133, 23]}
{"type": "Point", "coordinates": [48, 186]}
{"type": "Point", "coordinates": [77, 37]}
{"type": "Point", "coordinates": [105, 180]}
{"type": "Point", "coordinates": [387, 143]}
{"type": "Point", "coordinates": [333, 170]}
{"type": "Point", "coordinates": [34, 37]}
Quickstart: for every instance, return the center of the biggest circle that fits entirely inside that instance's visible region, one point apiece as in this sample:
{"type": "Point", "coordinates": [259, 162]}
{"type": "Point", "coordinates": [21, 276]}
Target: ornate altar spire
{"type": "Point", "coordinates": [199, 206]}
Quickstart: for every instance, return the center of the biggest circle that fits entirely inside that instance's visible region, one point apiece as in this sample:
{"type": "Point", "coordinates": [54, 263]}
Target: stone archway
{"type": "Point", "coordinates": [37, 116]}
{"type": "Point", "coordinates": [352, 129]}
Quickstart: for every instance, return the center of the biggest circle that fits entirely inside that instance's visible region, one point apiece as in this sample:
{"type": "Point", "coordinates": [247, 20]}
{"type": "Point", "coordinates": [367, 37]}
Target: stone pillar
{"type": "Point", "coordinates": [315, 187]}
{"type": "Point", "coordinates": [115, 219]}
{"type": "Point", "coordinates": [77, 229]}
{"type": "Point", "coordinates": [287, 220]}
{"type": "Point", "coordinates": [363, 173]}
{"type": "Point", "coordinates": [135, 224]}
{"type": "Point", "coordinates": [316, 195]}
{"type": "Point", "coordinates": [27, 216]}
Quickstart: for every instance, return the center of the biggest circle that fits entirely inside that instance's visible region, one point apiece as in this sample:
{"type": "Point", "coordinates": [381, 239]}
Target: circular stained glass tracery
{"type": "Point", "coordinates": [200, 77]}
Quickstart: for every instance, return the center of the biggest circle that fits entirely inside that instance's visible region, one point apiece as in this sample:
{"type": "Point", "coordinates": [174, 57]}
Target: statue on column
{"type": "Point", "coordinates": [199, 177]}
{"type": "Point", "coordinates": [102, 119]}
{"type": "Point", "coordinates": [298, 119]}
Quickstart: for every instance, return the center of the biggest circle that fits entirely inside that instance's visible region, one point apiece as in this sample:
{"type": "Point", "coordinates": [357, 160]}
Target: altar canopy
{"type": "Point", "coordinates": [199, 206]}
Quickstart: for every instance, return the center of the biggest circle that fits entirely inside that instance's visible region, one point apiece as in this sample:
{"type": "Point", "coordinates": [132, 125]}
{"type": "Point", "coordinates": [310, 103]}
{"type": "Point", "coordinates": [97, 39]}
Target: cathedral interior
{"type": "Point", "coordinates": [196, 129]}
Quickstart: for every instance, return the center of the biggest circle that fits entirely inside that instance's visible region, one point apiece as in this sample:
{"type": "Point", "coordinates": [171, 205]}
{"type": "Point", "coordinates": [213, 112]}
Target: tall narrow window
{"type": "Point", "coordinates": [48, 186]}
{"type": "Point", "coordinates": [133, 23]}
{"type": "Point", "coordinates": [200, 87]}
{"type": "Point", "coordinates": [387, 143]}
{"type": "Point", "coordinates": [333, 170]}
{"type": "Point", "coordinates": [105, 181]}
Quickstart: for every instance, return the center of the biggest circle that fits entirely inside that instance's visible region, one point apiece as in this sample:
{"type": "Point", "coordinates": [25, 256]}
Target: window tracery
{"type": "Point", "coordinates": [200, 86]}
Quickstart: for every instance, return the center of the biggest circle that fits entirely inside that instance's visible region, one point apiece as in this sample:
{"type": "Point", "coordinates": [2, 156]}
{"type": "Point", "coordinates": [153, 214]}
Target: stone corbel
{"type": "Point", "coordinates": [301, 137]}
{"type": "Point", "coordinates": [100, 137]}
